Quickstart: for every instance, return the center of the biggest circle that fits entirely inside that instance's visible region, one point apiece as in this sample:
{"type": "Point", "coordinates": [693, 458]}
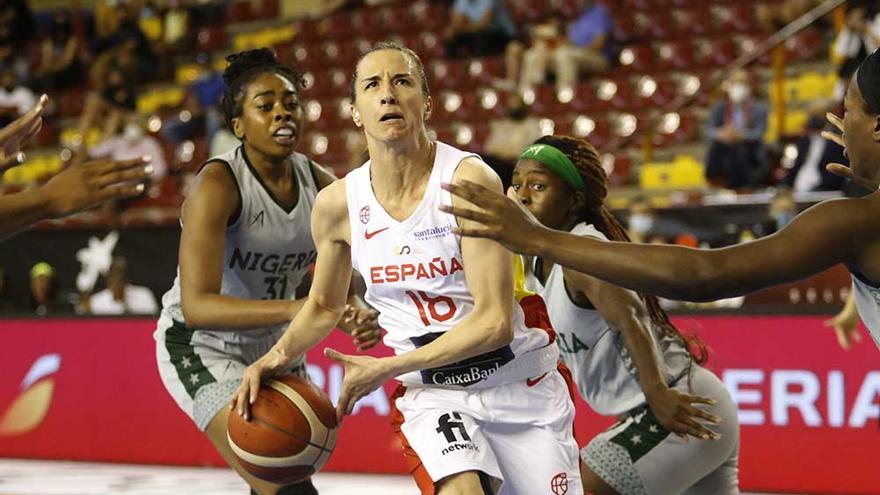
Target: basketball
{"type": "Point", "coordinates": [291, 432]}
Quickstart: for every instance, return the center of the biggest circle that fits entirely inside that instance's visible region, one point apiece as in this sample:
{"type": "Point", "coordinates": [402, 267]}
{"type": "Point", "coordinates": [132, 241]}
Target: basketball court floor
{"type": "Point", "coordinates": [27, 477]}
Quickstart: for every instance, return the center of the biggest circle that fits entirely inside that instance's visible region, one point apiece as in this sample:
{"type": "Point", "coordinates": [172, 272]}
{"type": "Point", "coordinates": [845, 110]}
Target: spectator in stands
{"type": "Point", "coordinates": [201, 114]}
{"type": "Point", "coordinates": [509, 136]}
{"type": "Point", "coordinates": [478, 28]}
{"type": "Point", "coordinates": [782, 209]}
{"type": "Point", "coordinates": [133, 142]}
{"type": "Point", "coordinates": [120, 297]}
{"type": "Point", "coordinates": [586, 47]}
{"type": "Point", "coordinates": [737, 157]}
{"type": "Point", "coordinates": [44, 291]}
{"type": "Point", "coordinates": [642, 219]}
{"type": "Point", "coordinates": [814, 152]}
{"type": "Point", "coordinates": [16, 29]}
{"type": "Point", "coordinates": [59, 63]}
{"type": "Point", "coordinates": [859, 37]}
{"type": "Point", "coordinates": [128, 44]}
{"type": "Point", "coordinates": [15, 98]}
{"type": "Point", "coordinates": [113, 101]}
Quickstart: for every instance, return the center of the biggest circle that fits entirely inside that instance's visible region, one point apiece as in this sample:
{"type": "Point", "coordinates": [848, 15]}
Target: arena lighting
{"type": "Point", "coordinates": [364, 45]}
{"type": "Point", "coordinates": [429, 40]}
{"type": "Point", "coordinates": [565, 95]}
{"type": "Point", "coordinates": [665, 51]}
{"type": "Point", "coordinates": [339, 78]}
{"type": "Point", "coordinates": [308, 80]}
{"type": "Point", "coordinates": [747, 45]}
{"type": "Point", "coordinates": [528, 96]}
{"type": "Point", "coordinates": [313, 111]}
{"type": "Point", "coordinates": [626, 124]}
{"type": "Point", "coordinates": [185, 116]}
{"type": "Point", "coordinates": [670, 123]}
{"type": "Point", "coordinates": [789, 155]}
{"type": "Point", "coordinates": [344, 108]}
{"type": "Point", "coordinates": [451, 102]}
{"type": "Point", "coordinates": [65, 154]}
{"type": "Point", "coordinates": [475, 68]}
{"type": "Point", "coordinates": [608, 163]}
{"type": "Point", "coordinates": [547, 126]}
{"type": "Point", "coordinates": [584, 126]}
{"type": "Point", "coordinates": [464, 135]}
{"type": "Point", "coordinates": [489, 99]}
{"type": "Point", "coordinates": [331, 49]}
{"type": "Point", "coordinates": [186, 151]}
{"type": "Point", "coordinates": [154, 124]}
{"type": "Point", "coordinates": [647, 86]}
{"type": "Point", "coordinates": [627, 56]}
{"type": "Point", "coordinates": [300, 53]}
{"type": "Point", "coordinates": [607, 90]}
{"type": "Point", "coordinates": [440, 70]}
{"type": "Point", "coordinates": [690, 84]}
{"type": "Point", "coordinates": [319, 144]}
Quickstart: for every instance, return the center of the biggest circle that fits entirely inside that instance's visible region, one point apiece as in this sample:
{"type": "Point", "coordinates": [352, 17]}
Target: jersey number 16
{"type": "Point", "coordinates": [423, 299]}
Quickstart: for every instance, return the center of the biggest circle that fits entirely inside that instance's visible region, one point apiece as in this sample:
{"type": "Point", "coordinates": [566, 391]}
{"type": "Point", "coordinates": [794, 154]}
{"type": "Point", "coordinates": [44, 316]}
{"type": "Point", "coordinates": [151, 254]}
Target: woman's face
{"type": "Point", "coordinates": [543, 192]}
{"type": "Point", "coordinates": [271, 119]}
{"type": "Point", "coordinates": [390, 102]}
{"type": "Point", "coordinates": [861, 132]}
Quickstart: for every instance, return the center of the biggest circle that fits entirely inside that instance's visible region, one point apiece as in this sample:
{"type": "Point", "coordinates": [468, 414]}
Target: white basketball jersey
{"type": "Point", "coordinates": [868, 303]}
{"type": "Point", "coordinates": [267, 250]}
{"type": "Point", "coordinates": [414, 274]}
{"type": "Point", "coordinates": [594, 350]}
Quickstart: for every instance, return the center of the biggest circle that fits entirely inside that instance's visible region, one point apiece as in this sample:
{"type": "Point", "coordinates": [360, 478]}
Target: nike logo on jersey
{"type": "Point", "coordinates": [369, 235]}
{"type": "Point", "coordinates": [531, 382]}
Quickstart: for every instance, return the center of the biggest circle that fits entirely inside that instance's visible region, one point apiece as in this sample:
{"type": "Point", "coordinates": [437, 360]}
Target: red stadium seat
{"type": "Point", "coordinates": [638, 58]}
{"type": "Point", "coordinates": [676, 54]}
{"type": "Point", "coordinates": [268, 9]}
{"type": "Point", "coordinates": [211, 38]}
{"type": "Point", "coordinates": [694, 21]}
{"type": "Point", "coordinates": [239, 11]}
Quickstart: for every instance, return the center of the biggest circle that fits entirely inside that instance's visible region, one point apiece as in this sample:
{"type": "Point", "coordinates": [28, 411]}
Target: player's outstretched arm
{"type": "Point", "coordinates": [627, 314]}
{"type": "Point", "coordinates": [824, 235]}
{"type": "Point", "coordinates": [78, 187]}
{"type": "Point", "coordinates": [326, 301]}
{"type": "Point", "coordinates": [14, 136]}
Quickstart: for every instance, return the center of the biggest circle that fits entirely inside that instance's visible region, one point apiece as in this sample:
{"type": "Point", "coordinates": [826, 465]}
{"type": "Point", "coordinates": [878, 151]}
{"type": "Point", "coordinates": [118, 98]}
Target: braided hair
{"type": "Point", "coordinates": [586, 160]}
{"type": "Point", "coordinates": [244, 67]}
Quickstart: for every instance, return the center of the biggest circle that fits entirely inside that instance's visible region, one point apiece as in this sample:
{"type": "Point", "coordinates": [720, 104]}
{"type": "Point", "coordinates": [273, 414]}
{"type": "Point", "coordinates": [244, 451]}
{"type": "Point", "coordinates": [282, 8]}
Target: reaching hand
{"type": "Point", "coordinates": [272, 363]}
{"type": "Point", "coordinates": [677, 413]}
{"type": "Point", "coordinates": [363, 325]}
{"type": "Point", "coordinates": [840, 169]}
{"type": "Point", "coordinates": [83, 185]}
{"type": "Point", "coordinates": [363, 374]}
{"type": "Point", "coordinates": [504, 219]}
{"type": "Point", "coordinates": [14, 136]}
{"type": "Point", "coordinates": [846, 326]}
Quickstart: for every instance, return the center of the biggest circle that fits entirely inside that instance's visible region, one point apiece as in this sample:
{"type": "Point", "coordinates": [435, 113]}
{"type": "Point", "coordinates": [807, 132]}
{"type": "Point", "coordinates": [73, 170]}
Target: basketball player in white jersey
{"type": "Point", "coordinates": [627, 358]}
{"type": "Point", "coordinates": [482, 407]}
{"type": "Point", "coordinates": [245, 249]}
{"type": "Point", "coordinates": [834, 231]}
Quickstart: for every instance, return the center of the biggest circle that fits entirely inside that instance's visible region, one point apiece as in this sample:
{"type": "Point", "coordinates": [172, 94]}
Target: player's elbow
{"type": "Point", "coordinates": [194, 312]}
{"type": "Point", "coordinates": [499, 334]}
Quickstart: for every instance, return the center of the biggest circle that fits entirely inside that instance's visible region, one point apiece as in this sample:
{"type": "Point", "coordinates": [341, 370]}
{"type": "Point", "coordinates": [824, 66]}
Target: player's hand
{"type": "Point", "coordinates": [83, 185]}
{"type": "Point", "coordinates": [14, 136]}
{"type": "Point", "coordinates": [363, 374]}
{"type": "Point", "coordinates": [846, 327]}
{"type": "Point", "coordinates": [677, 413]}
{"type": "Point", "coordinates": [272, 363]}
{"type": "Point", "coordinates": [840, 169]}
{"type": "Point", "coordinates": [504, 219]}
{"type": "Point", "coordinates": [363, 325]}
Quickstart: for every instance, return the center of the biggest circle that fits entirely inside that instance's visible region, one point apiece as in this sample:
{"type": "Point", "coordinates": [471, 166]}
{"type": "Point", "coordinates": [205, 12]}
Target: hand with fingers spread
{"type": "Point", "coordinates": [846, 324]}
{"type": "Point", "coordinates": [840, 169]}
{"type": "Point", "coordinates": [14, 136]}
{"type": "Point", "coordinates": [677, 413]}
{"type": "Point", "coordinates": [363, 374]}
{"type": "Point", "coordinates": [504, 219]}
{"type": "Point", "coordinates": [363, 325]}
{"type": "Point", "coordinates": [272, 363]}
{"type": "Point", "coordinates": [87, 184]}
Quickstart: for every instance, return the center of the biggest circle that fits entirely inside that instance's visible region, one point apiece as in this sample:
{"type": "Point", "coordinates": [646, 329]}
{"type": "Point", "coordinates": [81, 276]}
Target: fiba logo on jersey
{"type": "Point", "coordinates": [559, 484]}
{"type": "Point", "coordinates": [365, 214]}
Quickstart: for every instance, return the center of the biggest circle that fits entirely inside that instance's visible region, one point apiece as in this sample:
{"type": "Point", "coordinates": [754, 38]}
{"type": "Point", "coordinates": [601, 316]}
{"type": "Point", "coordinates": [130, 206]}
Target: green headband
{"type": "Point", "coordinates": [557, 161]}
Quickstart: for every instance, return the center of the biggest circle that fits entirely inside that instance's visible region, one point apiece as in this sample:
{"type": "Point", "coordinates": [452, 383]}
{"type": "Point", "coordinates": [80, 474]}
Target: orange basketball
{"type": "Point", "coordinates": [291, 432]}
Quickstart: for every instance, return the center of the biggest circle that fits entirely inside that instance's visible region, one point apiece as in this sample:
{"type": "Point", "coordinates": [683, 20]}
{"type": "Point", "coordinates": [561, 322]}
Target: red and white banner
{"type": "Point", "coordinates": [88, 390]}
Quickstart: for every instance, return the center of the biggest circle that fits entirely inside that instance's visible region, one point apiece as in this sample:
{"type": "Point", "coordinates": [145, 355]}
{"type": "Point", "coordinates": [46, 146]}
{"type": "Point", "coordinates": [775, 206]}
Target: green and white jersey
{"type": "Point", "coordinates": [267, 250]}
{"type": "Point", "coordinates": [594, 350]}
{"type": "Point", "coordinates": [868, 303]}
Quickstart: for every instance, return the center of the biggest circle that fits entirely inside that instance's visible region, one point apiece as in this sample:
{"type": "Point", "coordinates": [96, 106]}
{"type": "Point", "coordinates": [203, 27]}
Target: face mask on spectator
{"type": "Point", "coordinates": [641, 223]}
{"type": "Point", "coordinates": [738, 92]}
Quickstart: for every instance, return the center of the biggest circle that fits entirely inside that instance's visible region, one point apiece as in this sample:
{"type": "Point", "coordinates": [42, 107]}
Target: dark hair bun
{"type": "Point", "coordinates": [242, 62]}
